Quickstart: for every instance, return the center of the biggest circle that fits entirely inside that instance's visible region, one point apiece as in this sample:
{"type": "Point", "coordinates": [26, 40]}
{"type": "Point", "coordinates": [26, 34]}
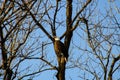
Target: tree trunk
{"type": "Point", "coordinates": [2, 44]}
{"type": "Point", "coordinates": [8, 74]}
{"type": "Point", "coordinates": [61, 60]}
{"type": "Point", "coordinates": [5, 67]}
{"type": "Point", "coordinates": [69, 33]}
{"type": "Point", "coordinates": [61, 68]}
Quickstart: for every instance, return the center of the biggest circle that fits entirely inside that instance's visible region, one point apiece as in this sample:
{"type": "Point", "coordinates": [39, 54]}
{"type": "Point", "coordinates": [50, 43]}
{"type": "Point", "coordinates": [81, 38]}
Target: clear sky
{"type": "Point", "coordinates": [79, 38]}
{"type": "Point", "coordinates": [73, 73]}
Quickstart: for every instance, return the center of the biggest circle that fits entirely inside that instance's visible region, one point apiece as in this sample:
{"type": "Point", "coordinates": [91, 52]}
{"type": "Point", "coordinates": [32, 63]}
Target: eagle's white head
{"type": "Point", "coordinates": [56, 38]}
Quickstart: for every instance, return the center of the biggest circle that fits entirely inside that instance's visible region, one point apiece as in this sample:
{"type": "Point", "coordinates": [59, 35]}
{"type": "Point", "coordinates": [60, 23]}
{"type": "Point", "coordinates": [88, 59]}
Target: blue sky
{"type": "Point", "coordinates": [79, 38]}
{"type": "Point", "coordinates": [74, 73]}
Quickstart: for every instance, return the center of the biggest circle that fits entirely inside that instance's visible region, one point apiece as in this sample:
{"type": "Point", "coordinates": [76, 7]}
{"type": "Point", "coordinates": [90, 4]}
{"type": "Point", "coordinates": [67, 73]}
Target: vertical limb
{"type": "Point", "coordinates": [2, 44]}
{"type": "Point", "coordinates": [68, 24]}
{"type": "Point", "coordinates": [61, 61]}
{"type": "Point", "coordinates": [61, 68]}
{"type": "Point", "coordinates": [8, 74]}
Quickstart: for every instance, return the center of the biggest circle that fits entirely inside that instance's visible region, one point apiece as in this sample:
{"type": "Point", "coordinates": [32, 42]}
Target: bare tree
{"type": "Point", "coordinates": [67, 34]}
{"type": "Point", "coordinates": [90, 37]}
{"type": "Point", "coordinates": [15, 28]}
{"type": "Point", "coordinates": [102, 37]}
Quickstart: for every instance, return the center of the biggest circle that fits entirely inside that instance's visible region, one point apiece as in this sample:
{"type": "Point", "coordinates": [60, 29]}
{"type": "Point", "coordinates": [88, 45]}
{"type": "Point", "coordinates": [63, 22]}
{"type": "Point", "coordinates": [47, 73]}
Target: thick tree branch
{"type": "Point", "coordinates": [37, 72]}
{"type": "Point", "coordinates": [86, 4]}
{"type": "Point", "coordinates": [68, 24]}
{"type": "Point", "coordinates": [8, 74]}
{"type": "Point", "coordinates": [3, 50]}
{"type": "Point", "coordinates": [37, 22]}
{"type": "Point", "coordinates": [112, 67]}
{"type": "Point", "coordinates": [40, 26]}
{"type": "Point", "coordinates": [74, 27]}
{"type": "Point", "coordinates": [54, 20]}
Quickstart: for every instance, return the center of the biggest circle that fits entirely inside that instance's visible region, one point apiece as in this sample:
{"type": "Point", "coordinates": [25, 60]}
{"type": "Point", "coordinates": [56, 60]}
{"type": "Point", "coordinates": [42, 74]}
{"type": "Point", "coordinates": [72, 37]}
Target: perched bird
{"type": "Point", "coordinates": [60, 49]}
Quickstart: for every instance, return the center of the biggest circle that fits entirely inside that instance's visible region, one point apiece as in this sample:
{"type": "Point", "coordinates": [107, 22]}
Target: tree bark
{"type": "Point", "coordinates": [4, 54]}
{"type": "Point", "coordinates": [8, 74]}
{"type": "Point", "coordinates": [69, 33]}
{"type": "Point", "coordinates": [61, 61]}
{"type": "Point", "coordinates": [61, 68]}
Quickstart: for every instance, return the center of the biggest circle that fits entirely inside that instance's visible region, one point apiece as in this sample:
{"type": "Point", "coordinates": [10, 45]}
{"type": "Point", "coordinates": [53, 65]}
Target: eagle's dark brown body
{"type": "Point", "coordinates": [60, 49]}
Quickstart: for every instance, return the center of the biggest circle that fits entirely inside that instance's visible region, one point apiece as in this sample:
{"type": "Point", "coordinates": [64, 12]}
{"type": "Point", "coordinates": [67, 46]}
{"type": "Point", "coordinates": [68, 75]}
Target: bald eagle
{"type": "Point", "coordinates": [60, 49]}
